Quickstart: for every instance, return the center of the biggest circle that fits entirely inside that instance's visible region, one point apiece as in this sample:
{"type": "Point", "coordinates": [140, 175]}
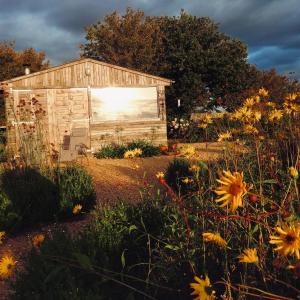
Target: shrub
{"type": "Point", "coordinates": [118, 151]}
{"type": "Point", "coordinates": [75, 186]}
{"type": "Point", "coordinates": [33, 197]}
{"type": "Point", "coordinates": [147, 148]}
{"type": "Point", "coordinates": [111, 151]}
{"type": "Point", "coordinates": [7, 217]}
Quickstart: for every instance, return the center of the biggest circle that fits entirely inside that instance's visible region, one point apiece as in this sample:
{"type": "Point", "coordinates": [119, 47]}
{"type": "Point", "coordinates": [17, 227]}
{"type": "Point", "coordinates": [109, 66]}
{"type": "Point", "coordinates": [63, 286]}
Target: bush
{"type": "Point", "coordinates": [108, 260]}
{"type": "Point", "coordinates": [117, 151]}
{"type": "Point", "coordinates": [7, 217]}
{"type": "Point", "coordinates": [29, 196]}
{"type": "Point", "coordinates": [147, 148]}
{"type": "Point", "coordinates": [75, 186]}
{"type": "Point", "coordinates": [111, 151]}
{"type": "Point", "coordinates": [33, 197]}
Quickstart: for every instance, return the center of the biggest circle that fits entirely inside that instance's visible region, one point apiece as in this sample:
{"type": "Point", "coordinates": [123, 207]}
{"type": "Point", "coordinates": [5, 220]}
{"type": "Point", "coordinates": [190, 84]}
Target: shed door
{"type": "Point", "coordinates": [70, 111]}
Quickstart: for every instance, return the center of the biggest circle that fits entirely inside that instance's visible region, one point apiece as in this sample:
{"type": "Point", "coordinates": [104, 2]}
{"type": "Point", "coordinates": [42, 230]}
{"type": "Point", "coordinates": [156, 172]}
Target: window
{"type": "Point", "coordinates": [118, 103]}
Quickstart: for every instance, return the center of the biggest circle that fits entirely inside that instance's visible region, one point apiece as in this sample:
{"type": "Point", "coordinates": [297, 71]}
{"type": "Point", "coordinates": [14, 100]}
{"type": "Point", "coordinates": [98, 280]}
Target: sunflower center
{"type": "Point", "coordinates": [235, 189]}
{"type": "Point", "coordinates": [289, 239]}
{"type": "Point", "coordinates": [9, 266]}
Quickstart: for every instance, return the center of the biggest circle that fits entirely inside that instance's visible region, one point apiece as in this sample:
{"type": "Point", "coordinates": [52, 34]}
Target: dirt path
{"type": "Point", "coordinates": [115, 180]}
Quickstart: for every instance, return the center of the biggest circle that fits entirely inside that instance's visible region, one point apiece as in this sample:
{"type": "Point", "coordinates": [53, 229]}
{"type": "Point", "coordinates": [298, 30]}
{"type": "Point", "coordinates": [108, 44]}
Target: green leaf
{"type": "Point", "coordinates": [171, 247]}
{"type": "Point", "coordinates": [270, 181]}
{"type": "Point", "coordinates": [83, 260]}
{"type": "Point", "coordinates": [255, 229]}
{"type": "Point", "coordinates": [131, 228]}
{"type": "Point", "coordinates": [123, 259]}
{"type": "Point", "coordinates": [203, 165]}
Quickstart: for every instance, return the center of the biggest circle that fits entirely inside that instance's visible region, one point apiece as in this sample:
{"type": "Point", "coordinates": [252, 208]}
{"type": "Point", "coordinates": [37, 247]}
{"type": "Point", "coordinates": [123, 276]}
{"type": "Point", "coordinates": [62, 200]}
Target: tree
{"type": "Point", "coordinates": [132, 40]}
{"type": "Point", "coordinates": [208, 67]}
{"type": "Point", "coordinates": [12, 62]}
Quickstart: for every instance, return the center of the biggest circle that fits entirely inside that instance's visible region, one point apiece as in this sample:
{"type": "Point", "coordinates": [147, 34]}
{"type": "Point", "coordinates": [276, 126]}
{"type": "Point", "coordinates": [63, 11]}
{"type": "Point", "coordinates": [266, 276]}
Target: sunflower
{"type": "Point", "coordinates": [214, 238]}
{"type": "Point", "coordinates": [275, 115]}
{"type": "Point", "coordinates": [249, 102]}
{"type": "Point", "coordinates": [2, 236]}
{"type": "Point", "coordinates": [249, 129]}
{"type": "Point", "coordinates": [232, 190]}
{"type": "Point", "coordinates": [263, 92]}
{"type": "Point", "coordinates": [288, 241]}
{"type": "Point", "coordinates": [291, 97]}
{"type": "Point", "coordinates": [37, 240]}
{"type": "Point", "coordinates": [248, 256]}
{"type": "Point", "coordinates": [7, 264]}
{"type": "Point", "coordinates": [76, 209]}
{"type": "Point", "coordinates": [187, 180]}
{"type": "Point", "coordinates": [202, 289]}
{"type": "Point", "coordinates": [224, 136]}
{"type": "Point", "coordinates": [160, 175]}
{"type": "Point", "coordinates": [293, 172]}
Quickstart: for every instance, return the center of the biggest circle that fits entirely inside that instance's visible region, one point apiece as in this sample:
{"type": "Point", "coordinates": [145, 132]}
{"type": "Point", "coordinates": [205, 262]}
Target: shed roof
{"type": "Point", "coordinates": [43, 76]}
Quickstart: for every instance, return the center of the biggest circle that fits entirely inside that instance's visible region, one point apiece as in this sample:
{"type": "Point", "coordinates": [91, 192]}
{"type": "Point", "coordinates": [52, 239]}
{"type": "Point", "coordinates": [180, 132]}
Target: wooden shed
{"type": "Point", "coordinates": [84, 104]}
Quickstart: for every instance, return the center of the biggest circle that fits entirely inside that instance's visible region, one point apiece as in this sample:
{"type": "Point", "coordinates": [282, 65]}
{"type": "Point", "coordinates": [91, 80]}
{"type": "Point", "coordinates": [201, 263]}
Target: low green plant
{"type": "Point", "coordinates": [33, 197]}
{"type": "Point", "coordinates": [75, 186]}
{"type": "Point", "coordinates": [176, 172]}
{"type": "Point", "coordinates": [111, 151]}
{"type": "Point", "coordinates": [117, 150]}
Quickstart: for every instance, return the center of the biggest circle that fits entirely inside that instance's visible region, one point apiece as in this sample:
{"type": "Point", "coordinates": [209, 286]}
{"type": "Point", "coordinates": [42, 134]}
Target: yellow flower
{"type": "Point", "coordinates": [194, 168]}
{"type": "Point", "coordinates": [288, 241]}
{"type": "Point", "coordinates": [232, 189]}
{"type": "Point", "coordinates": [248, 256]}
{"type": "Point", "coordinates": [187, 151]}
{"type": "Point", "coordinates": [202, 289]}
{"type": "Point", "coordinates": [187, 180]}
{"type": "Point", "coordinates": [137, 152]}
{"type": "Point", "coordinates": [293, 172]}
{"type": "Point", "coordinates": [7, 264]}
{"type": "Point", "coordinates": [275, 115]}
{"type": "Point", "coordinates": [37, 240]}
{"type": "Point", "coordinates": [205, 121]}
{"type": "Point", "coordinates": [271, 104]}
{"type": "Point", "coordinates": [249, 102]}
{"type": "Point", "coordinates": [291, 107]}
{"type": "Point", "coordinates": [256, 115]}
{"type": "Point", "coordinates": [133, 153]}
{"type": "Point", "coordinates": [160, 175]}
{"type": "Point", "coordinates": [2, 236]}
{"type": "Point", "coordinates": [76, 209]}
{"type": "Point", "coordinates": [224, 136]}
{"type": "Point", "coordinates": [263, 92]}
{"type": "Point", "coordinates": [250, 129]}
{"type": "Point", "coordinates": [214, 238]}
{"type": "Point", "coordinates": [291, 97]}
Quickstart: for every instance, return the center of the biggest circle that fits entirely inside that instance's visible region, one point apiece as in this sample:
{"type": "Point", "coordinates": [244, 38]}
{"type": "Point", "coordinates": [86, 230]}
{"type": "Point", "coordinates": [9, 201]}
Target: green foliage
{"type": "Point", "coordinates": [177, 170]}
{"type": "Point", "coordinates": [7, 217]}
{"type": "Point", "coordinates": [29, 196]}
{"type": "Point", "coordinates": [147, 148]}
{"type": "Point", "coordinates": [33, 197]}
{"type": "Point", "coordinates": [117, 151]}
{"type": "Point", "coordinates": [75, 187]}
{"type": "Point", "coordinates": [111, 151]}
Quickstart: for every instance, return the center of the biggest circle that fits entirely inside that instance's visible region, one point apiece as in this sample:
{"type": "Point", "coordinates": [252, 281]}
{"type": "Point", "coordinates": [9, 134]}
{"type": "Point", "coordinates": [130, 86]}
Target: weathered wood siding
{"type": "Point", "coordinates": [62, 94]}
{"type": "Point", "coordinates": [74, 75]}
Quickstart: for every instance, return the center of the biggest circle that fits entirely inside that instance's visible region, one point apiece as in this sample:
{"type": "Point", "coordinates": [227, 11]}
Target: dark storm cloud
{"type": "Point", "coordinates": [271, 28]}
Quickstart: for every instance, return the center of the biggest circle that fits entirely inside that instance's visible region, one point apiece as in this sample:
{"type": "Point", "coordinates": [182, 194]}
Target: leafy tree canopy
{"type": "Point", "coordinates": [209, 67]}
{"type": "Point", "coordinates": [12, 62]}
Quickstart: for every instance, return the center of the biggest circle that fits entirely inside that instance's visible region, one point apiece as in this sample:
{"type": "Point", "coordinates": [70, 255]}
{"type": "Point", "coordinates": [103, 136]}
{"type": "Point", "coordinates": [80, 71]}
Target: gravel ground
{"type": "Point", "coordinates": [115, 180]}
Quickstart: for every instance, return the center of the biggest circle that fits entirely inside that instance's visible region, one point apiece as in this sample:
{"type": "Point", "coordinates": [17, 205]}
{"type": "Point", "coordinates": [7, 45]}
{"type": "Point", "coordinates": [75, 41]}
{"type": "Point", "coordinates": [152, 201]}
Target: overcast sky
{"type": "Point", "coordinates": [270, 28]}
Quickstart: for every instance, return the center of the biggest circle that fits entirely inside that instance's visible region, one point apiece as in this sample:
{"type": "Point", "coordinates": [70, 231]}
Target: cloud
{"type": "Point", "coordinates": [269, 27]}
